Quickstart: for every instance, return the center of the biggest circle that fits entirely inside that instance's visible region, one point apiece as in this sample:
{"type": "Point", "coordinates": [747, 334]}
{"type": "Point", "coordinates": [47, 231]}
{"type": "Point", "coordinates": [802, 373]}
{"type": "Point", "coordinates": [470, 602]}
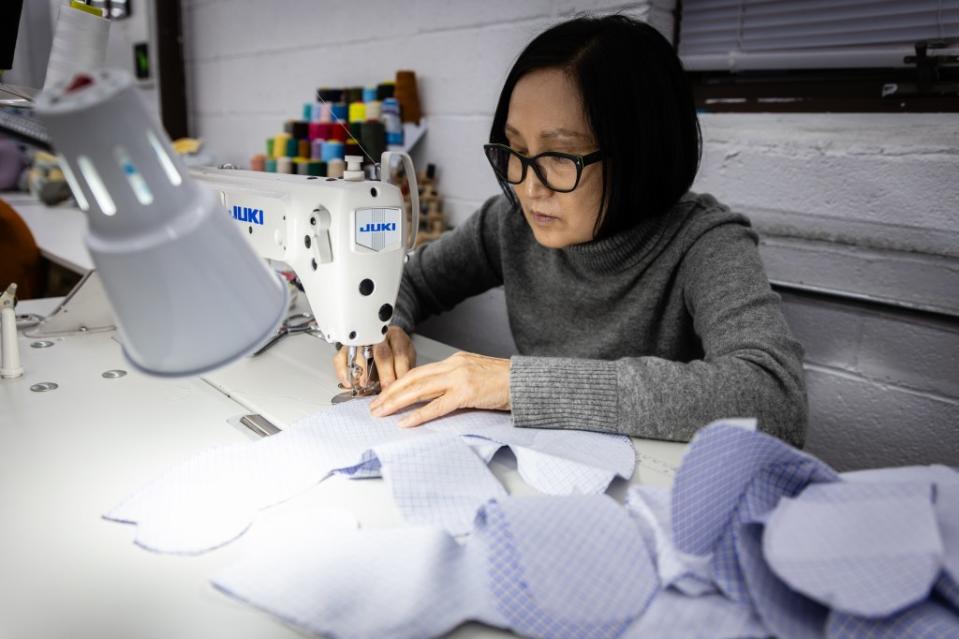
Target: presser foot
{"type": "Point", "coordinates": [353, 393]}
{"type": "Point", "coordinates": [358, 389]}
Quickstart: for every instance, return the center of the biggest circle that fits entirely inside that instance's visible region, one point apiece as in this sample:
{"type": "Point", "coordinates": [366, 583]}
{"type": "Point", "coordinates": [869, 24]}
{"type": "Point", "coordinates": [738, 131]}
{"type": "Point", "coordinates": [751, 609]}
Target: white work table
{"type": "Point", "coordinates": [70, 454]}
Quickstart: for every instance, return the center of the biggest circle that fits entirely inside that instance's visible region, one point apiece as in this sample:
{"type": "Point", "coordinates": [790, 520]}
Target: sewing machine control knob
{"type": "Point", "coordinates": [354, 168]}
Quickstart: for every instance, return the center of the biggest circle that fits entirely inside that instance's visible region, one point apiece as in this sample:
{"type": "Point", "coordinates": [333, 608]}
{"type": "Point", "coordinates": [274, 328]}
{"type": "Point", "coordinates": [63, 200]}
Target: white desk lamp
{"type": "Point", "coordinates": [188, 292]}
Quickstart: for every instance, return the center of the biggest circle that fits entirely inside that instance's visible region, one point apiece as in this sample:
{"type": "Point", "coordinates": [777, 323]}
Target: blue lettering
{"type": "Point", "coordinates": [376, 228]}
{"type": "Point", "coordinates": [246, 214]}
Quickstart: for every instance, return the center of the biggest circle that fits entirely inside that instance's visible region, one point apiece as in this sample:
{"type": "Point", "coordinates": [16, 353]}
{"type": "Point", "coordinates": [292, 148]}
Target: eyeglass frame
{"type": "Point", "coordinates": [581, 161]}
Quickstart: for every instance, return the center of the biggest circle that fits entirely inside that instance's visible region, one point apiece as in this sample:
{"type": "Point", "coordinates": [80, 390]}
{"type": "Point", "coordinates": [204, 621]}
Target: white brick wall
{"type": "Point", "coordinates": [251, 65]}
{"type": "Point", "coordinates": [866, 205]}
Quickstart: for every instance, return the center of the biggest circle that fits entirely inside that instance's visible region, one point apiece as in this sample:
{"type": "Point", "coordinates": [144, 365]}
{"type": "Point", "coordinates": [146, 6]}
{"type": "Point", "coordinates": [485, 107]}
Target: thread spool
{"type": "Point", "coordinates": [335, 168]}
{"type": "Point", "coordinates": [357, 111]}
{"type": "Point", "coordinates": [298, 129]}
{"type": "Point", "coordinates": [313, 131]}
{"type": "Point", "coordinates": [339, 112]}
{"type": "Point", "coordinates": [316, 149]}
{"type": "Point", "coordinates": [356, 131]}
{"type": "Point", "coordinates": [352, 148]}
{"type": "Point", "coordinates": [284, 165]}
{"type": "Point", "coordinates": [326, 94]}
{"type": "Point", "coordinates": [392, 122]}
{"type": "Point", "coordinates": [269, 147]}
{"type": "Point", "coordinates": [337, 132]}
{"type": "Point", "coordinates": [258, 162]}
{"type": "Point", "coordinates": [326, 112]}
{"type": "Point", "coordinates": [374, 138]}
{"type": "Point", "coordinates": [79, 44]}
{"type": "Point", "coordinates": [300, 166]}
{"type": "Point", "coordinates": [408, 96]}
{"type": "Point", "coordinates": [315, 167]}
{"type": "Point", "coordinates": [303, 149]}
{"type": "Point", "coordinates": [271, 165]}
{"type": "Point", "coordinates": [369, 94]}
{"type": "Point", "coordinates": [307, 110]}
{"type": "Point", "coordinates": [279, 144]}
{"type": "Point", "coordinates": [374, 109]}
{"type": "Point", "coordinates": [292, 147]}
{"type": "Point", "coordinates": [325, 130]}
{"type": "Point", "coordinates": [385, 90]}
{"type": "Point", "coordinates": [353, 94]}
{"type": "Point", "coordinates": [332, 150]}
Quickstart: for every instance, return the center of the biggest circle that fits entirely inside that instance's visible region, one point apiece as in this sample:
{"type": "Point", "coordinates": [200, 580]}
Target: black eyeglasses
{"type": "Point", "coordinates": [557, 171]}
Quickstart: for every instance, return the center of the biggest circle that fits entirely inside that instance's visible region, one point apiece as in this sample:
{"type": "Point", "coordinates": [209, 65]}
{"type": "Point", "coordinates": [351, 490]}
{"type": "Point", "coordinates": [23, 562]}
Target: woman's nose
{"type": "Point", "coordinates": [533, 185]}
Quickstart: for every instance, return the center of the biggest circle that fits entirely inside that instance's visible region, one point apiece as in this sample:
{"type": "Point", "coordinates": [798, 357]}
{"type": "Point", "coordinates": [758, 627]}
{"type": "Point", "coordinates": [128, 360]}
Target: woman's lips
{"type": "Point", "coordinates": [542, 219]}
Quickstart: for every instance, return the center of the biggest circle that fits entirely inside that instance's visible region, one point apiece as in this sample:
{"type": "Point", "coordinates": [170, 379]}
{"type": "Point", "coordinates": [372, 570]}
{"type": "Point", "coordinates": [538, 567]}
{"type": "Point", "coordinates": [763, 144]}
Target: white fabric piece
{"type": "Point", "coordinates": [484, 448]}
{"type": "Point", "coordinates": [212, 498]}
{"type": "Point", "coordinates": [863, 548]}
{"type": "Point", "coordinates": [946, 500]}
{"type": "Point", "coordinates": [437, 480]}
{"type": "Point", "coordinates": [397, 582]}
{"type": "Point", "coordinates": [612, 453]}
{"type": "Point", "coordinates": [555, 476]}
{"type": "Point", "coordinates": [673, 615]}
{"type": "Point", "coordinates": [689, 574]}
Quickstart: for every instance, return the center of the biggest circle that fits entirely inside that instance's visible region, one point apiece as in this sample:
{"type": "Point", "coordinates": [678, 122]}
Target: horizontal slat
{"type": "Point", "coordinates": [721, 27]}
{"type": "Point", "coordinates": [812, 59]}
{"type": "Point", "coordinates": [878, 36]}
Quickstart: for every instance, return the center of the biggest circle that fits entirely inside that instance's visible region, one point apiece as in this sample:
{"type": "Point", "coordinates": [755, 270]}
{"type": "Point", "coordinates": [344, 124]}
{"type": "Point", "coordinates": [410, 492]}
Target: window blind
{"type": "Point", "coordinates": [732, 35]}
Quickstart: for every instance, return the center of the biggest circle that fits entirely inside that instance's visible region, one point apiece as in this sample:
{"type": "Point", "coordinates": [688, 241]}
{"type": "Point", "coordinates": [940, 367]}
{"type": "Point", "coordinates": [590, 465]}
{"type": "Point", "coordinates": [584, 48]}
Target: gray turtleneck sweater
{"type": "Point", "coordinates": [654, 332]}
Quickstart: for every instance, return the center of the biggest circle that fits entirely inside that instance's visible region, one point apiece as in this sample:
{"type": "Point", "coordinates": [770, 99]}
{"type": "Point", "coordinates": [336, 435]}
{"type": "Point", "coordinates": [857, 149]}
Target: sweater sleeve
{"type": "Point", "coordinates": [460, 264]}
{"type": "Point", "coordinates": [751, 367]}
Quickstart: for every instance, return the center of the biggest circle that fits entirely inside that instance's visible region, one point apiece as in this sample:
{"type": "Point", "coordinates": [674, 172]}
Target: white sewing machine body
{"type": "Point", "coordinates": [345, 239]}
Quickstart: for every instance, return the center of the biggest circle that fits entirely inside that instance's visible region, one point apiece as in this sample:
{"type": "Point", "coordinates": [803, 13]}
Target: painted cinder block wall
{"type": "Point", "coordinates": [861, 207]}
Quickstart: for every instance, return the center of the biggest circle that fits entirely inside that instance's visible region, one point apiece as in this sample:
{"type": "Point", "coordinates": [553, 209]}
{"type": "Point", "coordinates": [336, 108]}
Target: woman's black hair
{"type": "Point", "coordinates": [638, 104]}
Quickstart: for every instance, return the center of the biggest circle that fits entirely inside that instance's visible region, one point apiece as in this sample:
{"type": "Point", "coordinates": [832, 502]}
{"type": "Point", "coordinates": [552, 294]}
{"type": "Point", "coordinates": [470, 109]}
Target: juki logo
{"type": "Point", "coordinates": [376, 228]}
{"type": "Point", "coordinates": [246, 214]}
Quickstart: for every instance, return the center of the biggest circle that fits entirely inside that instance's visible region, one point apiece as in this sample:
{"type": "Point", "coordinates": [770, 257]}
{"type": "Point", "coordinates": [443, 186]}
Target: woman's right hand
{"type": "Point", "coordinates": [394, 357]}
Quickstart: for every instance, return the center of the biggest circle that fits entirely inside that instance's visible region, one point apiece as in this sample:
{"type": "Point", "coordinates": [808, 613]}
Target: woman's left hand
{"type": "Point", "coordinates": [463, 380]}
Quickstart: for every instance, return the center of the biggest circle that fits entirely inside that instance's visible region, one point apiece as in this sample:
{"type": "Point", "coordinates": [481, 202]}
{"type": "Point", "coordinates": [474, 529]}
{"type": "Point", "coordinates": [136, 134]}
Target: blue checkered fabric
{"type": "Point", "coordinates": [568, 567]}
{"type": "Point", "coordinates": [438, 481]}
{"type": "Point", "coordinates": [674, 615]}
{"type": "Point", "coordinates": [947, 589]}
{"type": "Point", "coordinates": [925, 620]}
{"type": "Point", "coordinates": [721, 463]}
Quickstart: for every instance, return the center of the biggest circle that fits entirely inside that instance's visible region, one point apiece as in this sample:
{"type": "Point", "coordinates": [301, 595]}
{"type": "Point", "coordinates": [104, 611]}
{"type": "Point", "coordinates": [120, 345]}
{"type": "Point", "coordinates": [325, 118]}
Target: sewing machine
{"type": "Point", "coordinates": [346, 240]}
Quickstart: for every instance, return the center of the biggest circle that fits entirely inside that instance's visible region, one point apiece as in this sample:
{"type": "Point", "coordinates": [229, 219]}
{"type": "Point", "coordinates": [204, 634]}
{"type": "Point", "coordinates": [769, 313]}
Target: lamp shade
{"type": "Point", "coordinates": [188, 292]}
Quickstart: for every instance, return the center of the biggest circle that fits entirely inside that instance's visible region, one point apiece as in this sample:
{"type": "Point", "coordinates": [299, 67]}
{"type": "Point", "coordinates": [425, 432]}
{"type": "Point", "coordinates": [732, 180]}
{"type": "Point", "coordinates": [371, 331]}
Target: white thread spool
{"type": "Point", "coordinates": [79, 44]}
{"type": "Point", "coordinates": [9, 347]}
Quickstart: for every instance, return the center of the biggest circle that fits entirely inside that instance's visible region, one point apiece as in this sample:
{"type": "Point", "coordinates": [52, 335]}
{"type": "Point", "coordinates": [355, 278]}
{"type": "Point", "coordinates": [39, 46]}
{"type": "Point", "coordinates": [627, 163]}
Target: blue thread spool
{"type": "Point", "coordinates": [271, 165]}
{"type": "Point", "coordinates": [333, 150]}
{"type": "Point", "coordinates": [307, 111]}
{"type": "Point", "coordinates": [340, 112]}
{"type": "Point", "coordinates": [369, 94]}
{"type": "Point", "coordinates": [392, 122]}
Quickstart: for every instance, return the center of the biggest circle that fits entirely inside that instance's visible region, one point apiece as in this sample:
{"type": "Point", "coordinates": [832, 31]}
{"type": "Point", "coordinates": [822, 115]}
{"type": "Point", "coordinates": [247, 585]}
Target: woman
{"type": "Point", "coordinates": [637, 306]}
